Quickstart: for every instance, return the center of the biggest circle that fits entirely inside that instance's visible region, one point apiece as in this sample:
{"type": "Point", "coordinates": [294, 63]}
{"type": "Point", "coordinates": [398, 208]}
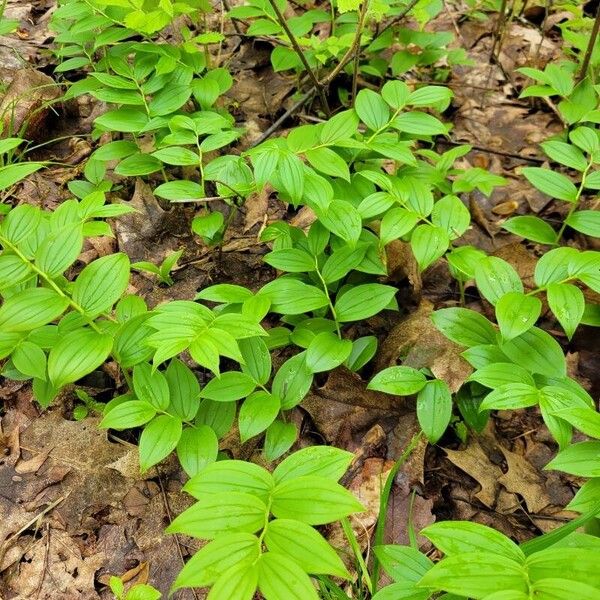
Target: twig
{"type": "Point", "coordinates": [397, 18]}
{"type": "Point", "coordinates": [288, 113]}
{"type": "Point", "coordinates": [351, 52]}
{"type": "Point", "coordinates": [170, 517]}
{"type": "Point", "coordinates": [356, 45]}
{"type": "Point", "coordinates": [45, 562]}
{"type": "Point", "coordinates": [318, 86]}
{"type": "Point", "coordinates": [590, 47]}
{"type": "Point", "coordinates": [234, 21]}
{"type": "Point", "coordinates": [498, 29]}
{"type": "Point", "coordinates": [532, 159]}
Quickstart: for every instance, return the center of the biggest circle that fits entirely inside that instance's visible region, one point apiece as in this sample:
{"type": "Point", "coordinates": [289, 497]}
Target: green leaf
{"type": "Point", "coordinates": [363, 301]}
{"type": "Point", "coordinates": [511, 396]}
{"type": "Point", "coordinates": [197, 447]}
{"type": "Point", "coordinates": [372, 109]}
{"type": "Point", "coordinates": [585, 221]}
{"type": "Point", "coordinates": [101, 283]}
{"type": "Point", "coordinates": [13, 270]}
{"type": "Point", "coordinates": [238, 582]}
{"type": "Point", "coordinates": [257, 412]}
{"type": "Point", "coordinates": [151, 386]}
{"type": "Point", "coordinates": [131, 413]}
{"type": "Point", "coordinates": [428, 243]}
{"type": "Point", "coordinates": [342, 261]}
{"type": "Point", "coordinates": [292, 381]}
{"type": "Point", "coordinates": [322, 461]}
{"type": "Point", "coordinates": [292, 297]}
{"type": "Point", "coordinates": [577, 564]}
{"type": "Point", "coordinates": [20, 222]}
{"type": "Point", "coordinates": [551, 183]}
{"type": "Point", "coordinates": [516, 313]}
{"type": "Point", "coordinates": [169, 99]}
{"type": "Point", "coordinates": [496, 374]}
{"type": "Point", "coordinates": [342, 219]}
{"type": "Point", "coordinates": [291, 173]}
{"type": "Point", "coordinates": [464, 326]}
{"type": "Point", "coordinates": [403, 563]}
{"type": "Point", "coordinates": [451, 215]}
{"type": "Point", "coordinates": [396, 94]}
{"type": "Point", "coordinates": [138, 164]}
{"type": "Point", "coordinates": [553, 266]}
{"type": "Point", "coordinates": [280, 578]}
{"type": "Point", "coordinates": [342, 126]}
{"type": "Point", "coordinates": [399, 381]}
{"type": "Point", "coordinates": [430, 95]}
{"type": "Point", "coordinates": [567, 303]}
{"type": "Point", "coordinates": [586, 498]}
{"type": "Point", "coordinates": [175, 155]}
{"type": "Point", "coordinates": [460, 537]}
{"type": "Point", "coordinates": [257, 359]}
{"type": "Point", "coordinates": [12, 174]}
{"type": "Point", "coordinates": [231, 476]}
{"type": "Point", "coordinates": [159, 438]}
{"type": "Point", "coordinates": [217, 557]}
{"type": "Point", "coordinates": [30, 309]}
{"type": "Point", "coordinates": [184, 390]}
{"type": "Point", "coordinates": [59, 250]}
{"type": "Point", "coordinates": [279, 439]}
{"type": "Point", "coordinates": [538, 351]}
{"type": "Point", "coordinates": [115, 150]}
{"type": "Point", "coordinates": [586, 138]}
{"type": "Point", "coordinates": [77, 354]}
{"type": "Point", "coordinates": [434, 409]}
{"type": "Point", "coordinates": [217, 514]}
{"type": "Point", "coordinates": [584, 418]}
{"type": "Point", "coordinates": [126, 120]}
{"type": "Point", "coordinates": [230, 386]}
{"type": "Point", "coordinates": [553, 588]}
{"type": "Point", "coordinates": [582, 459]}
{"type": "Point", "coordinates": [292, 260]}
{"type": "Point", "coordinates": [305, 546]}
{"type": "Point", "coordinates": [363, 350]}
{"type": "Point", "coordinates": [329, 162]}
{"type": "Point", "coordinates": [496, 277]}
{"type": "Point", "coordinates": [30, 360]}
{"type": "Point", "coordinates": [565, 154]}
{"type": "Point", "coordinates": [326, 352]}
{"type": "Point", "coordinates": [180, 190]}
{"type": "Point", "coordinates": [395, 223]}
{"type": "Point", "coordinates": [531, 228]}
{"type": "Point", "coordinates": [476, 574]}
{"type": "Point", "coordinates": [313, 500]}
{"type": "Point", "coordinates": [226, 293]}
{"type": "Point", "coordinates": [419, 123]}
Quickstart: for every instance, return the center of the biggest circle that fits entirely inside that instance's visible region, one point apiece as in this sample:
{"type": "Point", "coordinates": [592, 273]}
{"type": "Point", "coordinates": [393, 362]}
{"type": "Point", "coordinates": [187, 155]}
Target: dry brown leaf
{"type": "Point", "coordinates": [418, 341]}
{"type": "Point", "coordinates": [523, 479]}
{"type": "Point", "coordinates": [475, 462]}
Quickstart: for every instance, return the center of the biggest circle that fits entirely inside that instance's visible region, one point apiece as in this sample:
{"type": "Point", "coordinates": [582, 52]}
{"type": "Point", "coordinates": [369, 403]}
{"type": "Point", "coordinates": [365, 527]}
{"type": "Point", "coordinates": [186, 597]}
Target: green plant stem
{"type": "Point", "coordinates": [331, 306]}
{"type": "Point", "coordinates": [384, 500]}
{"type": "Point", "coordinates": [590, 47]}
{"type": "Point", "coordinates": [8, 244]}
{"type": "Point", "coordinates": [351, 537]}
{"type": "Point", "coordinates": [461, 291]}
{"type": "Point", "coordinates": [577, 198]}
{"type": "Point", "coordinates": [318, 86]}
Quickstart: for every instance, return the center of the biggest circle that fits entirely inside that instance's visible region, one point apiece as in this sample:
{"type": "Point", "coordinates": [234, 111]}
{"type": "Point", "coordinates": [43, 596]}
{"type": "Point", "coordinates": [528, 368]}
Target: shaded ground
{"type": "Point", "coordinates": [73, 507]}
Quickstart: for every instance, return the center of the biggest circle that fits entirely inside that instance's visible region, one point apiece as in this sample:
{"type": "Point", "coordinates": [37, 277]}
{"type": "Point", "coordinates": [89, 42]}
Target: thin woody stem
{"type": "Point", "coordinates": [318, 86]}
{"type": "Point", "coordinates": [590, 47]}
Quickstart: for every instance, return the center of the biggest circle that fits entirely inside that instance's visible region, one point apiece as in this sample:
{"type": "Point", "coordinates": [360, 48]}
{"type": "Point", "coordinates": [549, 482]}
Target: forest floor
{"type": "Point", "coordinates": [74, 508]}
